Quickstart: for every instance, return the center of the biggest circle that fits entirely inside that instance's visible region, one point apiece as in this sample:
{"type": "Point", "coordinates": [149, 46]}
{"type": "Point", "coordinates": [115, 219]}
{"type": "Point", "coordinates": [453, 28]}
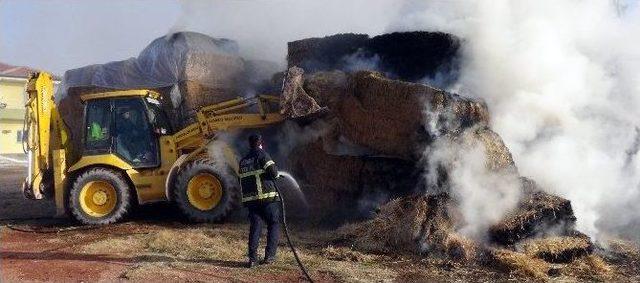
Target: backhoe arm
{"type": "Point", "coordinates": [45, 132]}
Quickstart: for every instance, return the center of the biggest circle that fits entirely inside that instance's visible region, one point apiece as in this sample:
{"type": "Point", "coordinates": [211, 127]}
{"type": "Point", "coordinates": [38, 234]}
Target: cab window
{"type": "Point", "coordinates": [98, 126]}
{"type": "Point", "coordinates": [134, 139]}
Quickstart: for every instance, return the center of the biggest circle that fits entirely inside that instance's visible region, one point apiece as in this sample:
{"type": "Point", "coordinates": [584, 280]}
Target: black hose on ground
{"type": "Point", "coordinates": [286, 233]}
{"type": "Point", "coordinates": [52, 231]}
{"type": "Point", "coordinates": [12, 226]}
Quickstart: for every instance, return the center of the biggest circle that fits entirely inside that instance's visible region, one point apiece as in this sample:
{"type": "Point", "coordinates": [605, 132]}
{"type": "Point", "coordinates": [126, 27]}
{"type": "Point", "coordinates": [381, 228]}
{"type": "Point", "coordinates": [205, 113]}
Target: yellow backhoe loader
{"type": "Point", "coordinates": [129, 155]}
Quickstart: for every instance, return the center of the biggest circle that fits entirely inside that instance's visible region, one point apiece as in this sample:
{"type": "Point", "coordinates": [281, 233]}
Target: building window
{"type": "Point", "coordinates": [19, 136]}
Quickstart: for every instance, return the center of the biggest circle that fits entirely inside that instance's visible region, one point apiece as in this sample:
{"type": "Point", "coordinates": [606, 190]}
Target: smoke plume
{"type": "Point", "coordinates": [561, 79]}
{"type": "Point", "coordinates": [485, 196]}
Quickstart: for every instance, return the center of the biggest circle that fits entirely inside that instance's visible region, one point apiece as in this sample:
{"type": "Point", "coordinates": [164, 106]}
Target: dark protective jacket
{"type": "Point", "coordinates": [257, 175]}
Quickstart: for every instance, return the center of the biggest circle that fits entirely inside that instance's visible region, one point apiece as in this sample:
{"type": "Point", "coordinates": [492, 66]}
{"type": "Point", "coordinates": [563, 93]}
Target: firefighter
{"type": "Point", "coordinates": [258, 173]}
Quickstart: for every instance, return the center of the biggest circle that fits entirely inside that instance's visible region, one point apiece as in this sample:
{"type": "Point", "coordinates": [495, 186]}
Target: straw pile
{"type": "Point", "coordinates": [518, 263]}
{"type": "Point", "coordinates": [427, 225]}
{"type": "Point", "coordinates": [414, 224]}
{"type": "Point", "coordinates": [558, 249]}
{"type": "Point", "coordinates": [538, 212]}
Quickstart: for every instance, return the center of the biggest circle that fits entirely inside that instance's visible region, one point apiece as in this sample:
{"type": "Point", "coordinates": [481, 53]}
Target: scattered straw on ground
{"type": "Point", "coordinates": [557, 249]}
{"type": "Point", "coordinates": [592, 268]}
{"type": "Point", "coordinates": [116, 245]}
{"type": "Point", "coordinates": [346, 254]}
{"type": "Point", "coordinates": [628, 248]}
{"type": "Point", "coordinates": [198, 244]}
{"type": "Point", "coordinates": [518, 263]}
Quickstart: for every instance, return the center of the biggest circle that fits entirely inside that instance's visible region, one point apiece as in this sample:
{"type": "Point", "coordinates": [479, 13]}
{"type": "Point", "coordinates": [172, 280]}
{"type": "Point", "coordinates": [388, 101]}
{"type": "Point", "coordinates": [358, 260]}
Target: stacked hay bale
{"type": "Point", "coordinates": [376, 135]}
{"type": "Point", "coordinates": [189, 70]}
{"type": "Point", "coordinates": [397, 120]}
{"type": "Point", "coordinates": [388, 116]}
{"type": "Point", "coordinates": [408, 56]}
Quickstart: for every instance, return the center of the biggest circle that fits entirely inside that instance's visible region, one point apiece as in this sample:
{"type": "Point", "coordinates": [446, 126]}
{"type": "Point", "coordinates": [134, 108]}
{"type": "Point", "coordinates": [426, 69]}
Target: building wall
{"type": "Point", "coordinates": [12, 93]}
{"type": "Point", "coordinates": [10, 133]}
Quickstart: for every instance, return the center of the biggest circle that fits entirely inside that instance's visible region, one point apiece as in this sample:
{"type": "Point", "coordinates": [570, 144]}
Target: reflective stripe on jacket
{"type": "Point", "coordinates": [257, 175]}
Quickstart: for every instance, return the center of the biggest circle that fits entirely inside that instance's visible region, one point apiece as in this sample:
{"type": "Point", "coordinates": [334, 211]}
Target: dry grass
{"type": "Point", "coordinates": [518, 263]}
{"type": "Point", "coordinates": [172, 254]}
{"type": "Point", "coordinates": [557, 249]}
{"type": "Point", "coordinates": [116, 245]}
{"type": "Point", "coordinates": [346, 254]}
{"type": "Point", "coordinates": [197, 244]}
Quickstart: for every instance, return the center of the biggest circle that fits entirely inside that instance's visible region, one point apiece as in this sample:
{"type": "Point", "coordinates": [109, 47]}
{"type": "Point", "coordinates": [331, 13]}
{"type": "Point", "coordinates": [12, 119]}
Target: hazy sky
{"type": "Point", "coordinates": [57, 35]}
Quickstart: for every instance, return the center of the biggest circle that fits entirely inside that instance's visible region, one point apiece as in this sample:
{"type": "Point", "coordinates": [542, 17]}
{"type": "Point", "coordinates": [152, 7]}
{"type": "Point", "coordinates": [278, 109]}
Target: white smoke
{"type": "Point", "coordinates": [562, 81]}
{"type": "Point", "coordinates": [485, 196]}
{"type": "Point", "coordinates": [263, 28]}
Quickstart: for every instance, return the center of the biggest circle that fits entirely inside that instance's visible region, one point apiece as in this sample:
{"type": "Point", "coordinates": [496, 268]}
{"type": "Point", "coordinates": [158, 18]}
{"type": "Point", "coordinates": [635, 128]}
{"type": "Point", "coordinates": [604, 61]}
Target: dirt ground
{"type": "Point", "coordinates": [155, 244]}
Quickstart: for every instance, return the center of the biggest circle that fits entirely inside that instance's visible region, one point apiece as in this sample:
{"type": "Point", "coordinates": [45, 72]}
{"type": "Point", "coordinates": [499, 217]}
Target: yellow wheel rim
{"type": "Point", "coordinates": [98, 198]}
{"type": "Point", "coordinates": [204, 191]}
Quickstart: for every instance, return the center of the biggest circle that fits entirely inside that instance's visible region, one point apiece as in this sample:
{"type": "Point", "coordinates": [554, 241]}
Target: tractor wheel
{"type": "Point", "coordinates": [202, 194]}
{"type": "Point", "coordinates": [100, 196]}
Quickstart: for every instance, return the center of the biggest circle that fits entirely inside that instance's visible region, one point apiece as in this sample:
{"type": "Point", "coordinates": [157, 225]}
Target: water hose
{"type": "Point", "coordinates": [286, 233]}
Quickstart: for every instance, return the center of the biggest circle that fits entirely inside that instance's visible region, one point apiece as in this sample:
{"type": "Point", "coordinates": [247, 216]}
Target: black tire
{"type": "Point", "coordinates": [122, 193]}
{"type": "Point", "coordinates": [229, 200]}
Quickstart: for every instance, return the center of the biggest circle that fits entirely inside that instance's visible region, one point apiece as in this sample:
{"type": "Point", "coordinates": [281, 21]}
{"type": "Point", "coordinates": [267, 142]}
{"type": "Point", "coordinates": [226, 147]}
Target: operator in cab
{"type": "Point", "coordinates": [131, 140]}
{"type": "Point", "coordinates": [258, 173]}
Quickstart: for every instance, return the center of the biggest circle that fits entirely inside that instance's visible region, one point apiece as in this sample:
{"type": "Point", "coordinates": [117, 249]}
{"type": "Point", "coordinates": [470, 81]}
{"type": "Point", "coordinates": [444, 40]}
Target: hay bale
{"type": "Point", "coordinates": [388, 116]}
{"type": "Point", "coordinates": [336, 185]}
{"type": "Point", "coordinates": [537, 212]}
{"type": "Point", "coordinates": [327, 53]}
{"type": "Point", "coordinates": [498, 157]}
{"type": "Point", "coordinates": [518, 263]}
{"type": "Point", "coordinates": [414, 56]}
{"type": "Point", "coordinates": [409, 56]}
{"type": "Point", "coordinates": [190, 70]}
{"type": "Point", "coordinates": [558, 249]}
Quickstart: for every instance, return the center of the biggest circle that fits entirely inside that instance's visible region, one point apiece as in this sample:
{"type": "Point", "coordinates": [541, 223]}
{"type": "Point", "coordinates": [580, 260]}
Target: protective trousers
{"type": "Point", "coordinates": [268, 213]}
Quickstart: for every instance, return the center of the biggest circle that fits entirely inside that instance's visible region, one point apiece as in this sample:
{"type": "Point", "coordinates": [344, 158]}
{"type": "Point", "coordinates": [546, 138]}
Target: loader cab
{"type": "Point", "coordinates": [127, 126]}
